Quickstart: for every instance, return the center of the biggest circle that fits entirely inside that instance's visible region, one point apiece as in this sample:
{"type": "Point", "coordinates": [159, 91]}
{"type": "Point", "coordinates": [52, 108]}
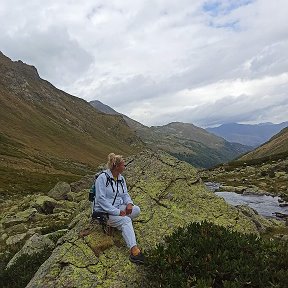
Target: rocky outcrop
{"type": "Point", "coordinates": [270, 178]}
{"type": "Point", "coordinates": [36, 244]}
{"type": "Point", "coordinates": [170, 195]}
{"type": "Point", "coordinates": [60, 191]}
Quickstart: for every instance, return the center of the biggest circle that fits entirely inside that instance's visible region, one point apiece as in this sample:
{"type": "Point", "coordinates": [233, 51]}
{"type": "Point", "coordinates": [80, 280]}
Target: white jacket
{"type": "Point", "coordinates": [105, 194]}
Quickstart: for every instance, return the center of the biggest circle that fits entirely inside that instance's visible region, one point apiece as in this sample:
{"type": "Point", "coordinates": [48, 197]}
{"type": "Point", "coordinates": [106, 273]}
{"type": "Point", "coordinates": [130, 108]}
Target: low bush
{"type": "Point", "coordinates": [207, 255]}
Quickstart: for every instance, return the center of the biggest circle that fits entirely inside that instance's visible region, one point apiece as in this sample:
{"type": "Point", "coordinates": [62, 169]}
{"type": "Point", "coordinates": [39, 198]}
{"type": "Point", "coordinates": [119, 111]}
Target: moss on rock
{"type": "Point", "coordinates": [169, 194]}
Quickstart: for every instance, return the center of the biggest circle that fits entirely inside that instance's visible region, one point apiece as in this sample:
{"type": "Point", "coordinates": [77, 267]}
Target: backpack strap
{"type": "Point", "coordinates": [116, 192]}
{"type": "Point", "coordinates": [109, 180]}
{"type": "Point", "coordinates": [121, 183]}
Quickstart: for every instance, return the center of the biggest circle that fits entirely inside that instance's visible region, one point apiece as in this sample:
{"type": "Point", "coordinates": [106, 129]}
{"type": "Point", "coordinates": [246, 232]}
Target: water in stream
{"type": "Point", "coordinates": [263, 204]}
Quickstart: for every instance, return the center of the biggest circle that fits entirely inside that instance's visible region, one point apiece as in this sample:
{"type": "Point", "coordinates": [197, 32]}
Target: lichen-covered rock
{"type": "Point", "coordinates": [261, 223]}
{"type": "Point", "coordinates": [44, 204]}
{"type": "Point", "coordinates": [237, 189]}
{"type": "Point", "coordinates": [15, 239]}
{"type": "Point", "coordinates": [33, 245]}
{"type": "Point", "coordinates": [170, 195]}
{"type": "Point", "coordinates": [20, 217]}
{"type": "Point", "coordinates": [60, 191]}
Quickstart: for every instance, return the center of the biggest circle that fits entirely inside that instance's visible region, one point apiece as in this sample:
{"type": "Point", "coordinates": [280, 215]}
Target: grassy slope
{"type": "Point", "coordinates": [45, 131]}
{"type": "Point", "coordinates": [193, 144]}
{"type": "Point", "coordinates": [275, 148]}
{"type": "Point", "coordinates": [184, 141]}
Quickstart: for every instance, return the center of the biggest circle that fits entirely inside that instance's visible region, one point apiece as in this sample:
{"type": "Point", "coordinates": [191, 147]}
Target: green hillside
{"type": "Point", "coordinates": [185, 141]}
{"type": "Point", "coordinates": [47, 135]}
{"type": "Point", "coordinates": [275, 148]}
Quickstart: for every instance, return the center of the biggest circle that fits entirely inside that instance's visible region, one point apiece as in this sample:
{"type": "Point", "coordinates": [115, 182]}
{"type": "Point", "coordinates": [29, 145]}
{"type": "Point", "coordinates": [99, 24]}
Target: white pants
{"type": "Point", "coordinates": [124, 224]}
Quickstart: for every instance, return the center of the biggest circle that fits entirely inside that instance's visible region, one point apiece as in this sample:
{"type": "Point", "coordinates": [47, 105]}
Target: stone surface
{"type": "Point", "coordinates": [60, 191]}
{"type": "Point", "coordinates": [44, 204]}
{"type": "Point", "coordinates": [35, 244]}
{"type": "Point", "coordinates": [20, 217]}
{"type": "Point", "coordinates": [15, 239]}
{"type": "Point", "coordinates": [170, 195]}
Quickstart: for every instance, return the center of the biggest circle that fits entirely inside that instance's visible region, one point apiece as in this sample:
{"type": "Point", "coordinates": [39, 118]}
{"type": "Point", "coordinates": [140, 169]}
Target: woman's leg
{"type": "Point", "coordinates": [124, 224]}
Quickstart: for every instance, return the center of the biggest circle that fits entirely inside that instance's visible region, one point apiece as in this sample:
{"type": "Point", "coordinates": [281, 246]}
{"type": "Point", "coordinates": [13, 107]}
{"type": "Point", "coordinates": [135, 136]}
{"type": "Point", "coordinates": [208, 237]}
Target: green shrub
{"type": "Point", "coordinates": [207, 255]}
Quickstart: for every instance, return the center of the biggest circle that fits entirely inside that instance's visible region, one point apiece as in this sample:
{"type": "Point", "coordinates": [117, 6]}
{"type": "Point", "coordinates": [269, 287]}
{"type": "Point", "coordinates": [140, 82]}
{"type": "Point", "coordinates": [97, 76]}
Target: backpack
{"type": "Point", "coordinates": [92, 192]}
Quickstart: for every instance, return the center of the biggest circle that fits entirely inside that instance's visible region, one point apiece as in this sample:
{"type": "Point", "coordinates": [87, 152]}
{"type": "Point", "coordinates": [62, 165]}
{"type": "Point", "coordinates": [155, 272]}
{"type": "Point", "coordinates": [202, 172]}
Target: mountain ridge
{"type": "Point", "coordinates": [276, 147]}
{"type": "Point", "coordinates": [45, 130]}
{"type": "Point", "coordinates": [248, 134]}
{"type": "Point", "coordinates": [185, 141]}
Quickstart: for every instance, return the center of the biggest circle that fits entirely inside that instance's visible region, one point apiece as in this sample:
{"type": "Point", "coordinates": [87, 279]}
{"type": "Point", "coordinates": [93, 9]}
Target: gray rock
{"type": "Point", "coordinates": [35, 244]}
{"type": "Point", "coordinates": [260, 222]}
{"type": "Point", "coordinates": [18, 218]}
{"type": "Point", "coordinates": [4, 236]}
{"type": "Point", "coordinates": [44, 204]}
{"type": "Point", "coordinates": [60, 191]}
{"type": "Point", "coordinates": [15, 239]}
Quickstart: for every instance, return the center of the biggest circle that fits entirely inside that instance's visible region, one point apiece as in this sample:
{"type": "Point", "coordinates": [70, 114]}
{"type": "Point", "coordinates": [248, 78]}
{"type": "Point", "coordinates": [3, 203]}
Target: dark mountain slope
{"type": "Point", "coordinates": [195, 145]}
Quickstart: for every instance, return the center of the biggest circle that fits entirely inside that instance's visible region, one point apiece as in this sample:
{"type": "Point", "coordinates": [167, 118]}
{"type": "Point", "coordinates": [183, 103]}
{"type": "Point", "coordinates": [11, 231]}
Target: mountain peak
{"type": "Point", "coordinates": [18, 67]}
{"type": "Point", "coordinates": [28, 70]}
{"type": "Point", "coordinates": [103, 107]}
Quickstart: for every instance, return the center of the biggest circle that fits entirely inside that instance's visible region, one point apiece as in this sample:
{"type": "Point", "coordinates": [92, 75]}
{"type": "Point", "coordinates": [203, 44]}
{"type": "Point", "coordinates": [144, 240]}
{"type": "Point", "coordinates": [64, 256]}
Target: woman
{"type": "Point", "coordinates": [112, 198]}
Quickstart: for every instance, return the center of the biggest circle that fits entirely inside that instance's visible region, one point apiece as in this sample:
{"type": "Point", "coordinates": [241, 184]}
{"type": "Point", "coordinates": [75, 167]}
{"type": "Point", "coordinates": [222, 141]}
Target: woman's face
{"type": "Point", "coordinates": [120, 167]}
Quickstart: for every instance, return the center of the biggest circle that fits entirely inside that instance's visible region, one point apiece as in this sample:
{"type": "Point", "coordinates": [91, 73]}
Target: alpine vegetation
{"type": "Point", "coordinates": [207, 255]}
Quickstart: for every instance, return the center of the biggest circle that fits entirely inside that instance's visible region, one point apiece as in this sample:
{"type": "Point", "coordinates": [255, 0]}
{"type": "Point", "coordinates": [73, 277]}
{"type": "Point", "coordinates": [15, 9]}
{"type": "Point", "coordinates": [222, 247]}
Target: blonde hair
{"type": "Point", "coordinates": [114, 160]}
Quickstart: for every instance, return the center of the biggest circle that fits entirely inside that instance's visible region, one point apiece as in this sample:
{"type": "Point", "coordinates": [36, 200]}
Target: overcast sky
{"type": "Point", "coordinates": [158, 61]}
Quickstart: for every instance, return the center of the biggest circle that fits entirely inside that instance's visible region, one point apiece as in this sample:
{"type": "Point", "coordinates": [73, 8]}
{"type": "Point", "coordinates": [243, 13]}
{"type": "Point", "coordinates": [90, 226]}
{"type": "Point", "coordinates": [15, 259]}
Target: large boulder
{"type": "Point", "coordinates": [35, 244]}
{"type": "Point", "coordinates": [18, 218]}
{"type": "Point", "coordinates": [44, 204]}
{"type": "Point", "coordinates": [169, 194]}
{"type": "Point", "coordinates": [60, 191]}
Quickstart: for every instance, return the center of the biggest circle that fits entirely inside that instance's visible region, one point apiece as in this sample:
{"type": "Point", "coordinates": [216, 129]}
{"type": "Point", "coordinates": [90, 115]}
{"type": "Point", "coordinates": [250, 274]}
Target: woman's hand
{"type": "Point", "coordinates": [122, 213]}
{"type": "Point", "coordinates": [129, 208]}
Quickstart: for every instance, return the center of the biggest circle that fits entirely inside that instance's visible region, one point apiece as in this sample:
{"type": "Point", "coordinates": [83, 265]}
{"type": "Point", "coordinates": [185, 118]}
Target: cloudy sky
{"type": "Point", "coordinates": [157, 61]}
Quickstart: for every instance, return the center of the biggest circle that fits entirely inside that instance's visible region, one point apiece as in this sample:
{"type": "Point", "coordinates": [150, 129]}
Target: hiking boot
{"type": "Point", "coordinates": [138, 259]}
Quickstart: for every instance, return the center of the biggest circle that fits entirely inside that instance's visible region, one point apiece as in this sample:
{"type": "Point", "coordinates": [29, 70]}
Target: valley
{"type": "Point", "coordinates": [51, 145]}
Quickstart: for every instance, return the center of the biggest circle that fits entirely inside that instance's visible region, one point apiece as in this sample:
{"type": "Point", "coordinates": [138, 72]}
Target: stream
{"type": "Point", "coordinates": [263, 204]}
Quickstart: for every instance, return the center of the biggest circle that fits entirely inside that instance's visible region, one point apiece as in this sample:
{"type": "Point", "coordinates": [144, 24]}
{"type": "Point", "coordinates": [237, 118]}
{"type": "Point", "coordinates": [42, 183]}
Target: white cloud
{"type": "Point", "coordinates": [158, 61]}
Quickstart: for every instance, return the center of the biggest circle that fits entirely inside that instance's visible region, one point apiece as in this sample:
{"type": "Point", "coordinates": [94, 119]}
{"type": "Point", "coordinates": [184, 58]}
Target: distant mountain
{"type": "Point", "coordinates": [275, 148]}
{"type": "Point", "coordinates": [47, 135]}
{"type": "Point", "coordinates": [246, 134]}
{"type": "Point", "coordinates": [108, 110]}
{"type": "Point", "coordinates": [194, 145]}
{"type": "Point", "coordinates": [186, 142]}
